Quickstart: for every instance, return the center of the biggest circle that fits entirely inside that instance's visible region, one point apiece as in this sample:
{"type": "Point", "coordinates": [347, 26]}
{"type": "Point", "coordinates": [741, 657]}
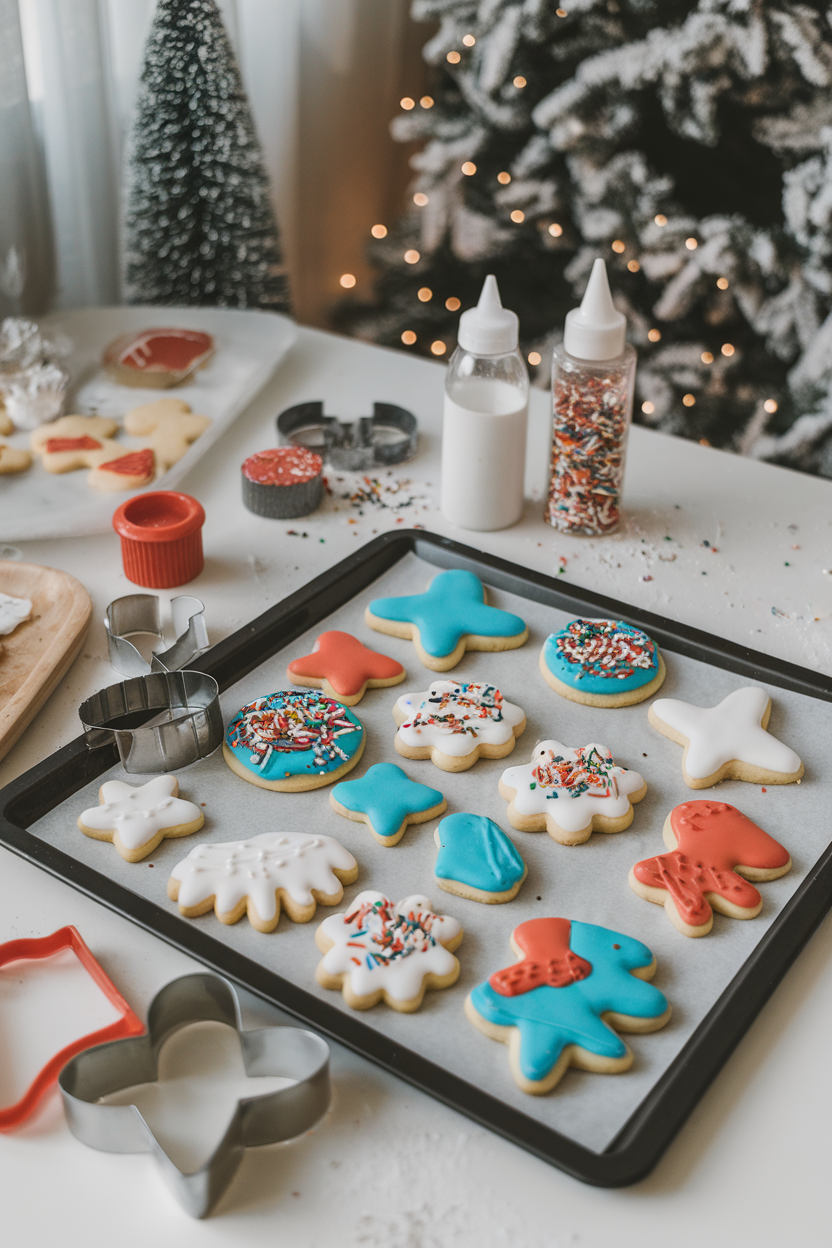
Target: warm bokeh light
{"type": "Point", "coordinates": [468, 40]}
{"type": "Point", "coordinates": [379, 231]}
{"type": "Point", "coordinates": [519, 82]}
{"type": "Point", "coordinates": [704, 442]}
{"type": "Point", "coordinates": [648, 408]}
{"type": "Point", "coordinates": [534, 358]}
{"type": "Point", "coordinates": [561, 12]}
{"type": "Point", "coordinates": [469, 168]}
{"type": "Point", "coordinates": [408, 337]}
{"type": "Point", "coordinates": [426, 101]}
{"type": "Point", "coordinates": [660, 219]}
{"type": "Point", "coordinates": [407, 103]}
{"type": "Point", "coordinates": [438, 348]}
{"type": "Point", "coordinates": [453, 304]}
{"type": "Point", "coordinates": [688, 400]}
{"type": "Point", "coordinates": [706, 357]}
{"type": "Point", "coordinates": [347, 280]}
{"type": "Point", "coordinates": [653, 335]}
{"type": "Point", "coordinates": [722, 283]}
{"type": "Point", "coordinates": [424, 294]}
{"type": "Point", "coordinates": [691, 243]}
{"type": "Point", "coordinates": [618, 246]}
{"type": "Point", "coordinates": [453, 57]}
{"type": "Point", "coordinates": [770, 406]}
{"type": "Point", "coordinates": [412, 256]}
{"type": "Point", "coordinates": [504, 178]}
{"type": "Point", "coordinates": [633, 266]}
{"type": "Point", "coordinates": [727, 349]}
{"type": "Point", "coordinates": [518, 216]}
{"type": "Point", "coordinates": [420, 199]}
{"type": "Point", "coordinates": [555, 230]}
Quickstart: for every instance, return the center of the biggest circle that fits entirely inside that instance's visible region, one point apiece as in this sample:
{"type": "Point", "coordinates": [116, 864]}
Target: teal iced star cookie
{"type": "Point", "coordinates": [451, 617]}
{"type": "Point", "coordinates": [387, 801]}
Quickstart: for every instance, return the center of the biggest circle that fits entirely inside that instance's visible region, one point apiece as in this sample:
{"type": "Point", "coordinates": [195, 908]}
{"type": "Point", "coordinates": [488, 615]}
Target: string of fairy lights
{"type": "Point", "coordinates": [468, 168]}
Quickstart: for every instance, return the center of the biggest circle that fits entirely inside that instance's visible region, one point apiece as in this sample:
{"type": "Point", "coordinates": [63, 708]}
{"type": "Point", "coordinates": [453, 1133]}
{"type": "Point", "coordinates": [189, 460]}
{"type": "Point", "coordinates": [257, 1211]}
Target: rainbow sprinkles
{"type": "Point", "coordinates": [289, 739]}
{"type": "Point", "coordinates": [602, 663]}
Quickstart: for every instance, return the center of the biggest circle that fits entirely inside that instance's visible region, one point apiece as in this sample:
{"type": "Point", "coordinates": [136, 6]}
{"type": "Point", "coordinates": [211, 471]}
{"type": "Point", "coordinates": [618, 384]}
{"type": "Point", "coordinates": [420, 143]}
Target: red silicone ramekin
{"type": "Point", "coordinates": [161, 538]}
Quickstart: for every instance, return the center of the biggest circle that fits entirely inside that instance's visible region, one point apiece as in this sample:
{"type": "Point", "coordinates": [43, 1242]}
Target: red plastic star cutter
{"type": "Point", "coordinates": [13, 1116]}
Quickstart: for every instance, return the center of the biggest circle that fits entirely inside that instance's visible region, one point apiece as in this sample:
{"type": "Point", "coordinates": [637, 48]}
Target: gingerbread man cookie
{"type": "Point", "coordinates": [558, 1005]}
{"type": "Point", "coordinates": [169, 433]}
{"type": "Point", "coordinates": [454, 723]}
{"type": "Point", "coordinates": [98, 427]}
{"type": "Point", "coordinates": [715, 851]}
{"type": "Point", "coordinates": [138, 819]}
{"type": "Point", "coordinates": [12, 460]}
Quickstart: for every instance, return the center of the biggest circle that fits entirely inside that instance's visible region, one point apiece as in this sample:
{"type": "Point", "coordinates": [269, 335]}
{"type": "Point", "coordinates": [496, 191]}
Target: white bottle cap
{"type": "Point", "coordinates": [489, 328]}
{"type": "Point", "coordinates": [595, 330]}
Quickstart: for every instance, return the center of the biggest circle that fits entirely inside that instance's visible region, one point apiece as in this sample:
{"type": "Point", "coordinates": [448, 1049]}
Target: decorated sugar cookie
{"type": "Point", "coordinates": [715, 851]}
{"type": "Point", "coordinates": [344, 668]}
{"type": "Point", "coordinates": [126, 472]}
{"type": "Point", "coordinates": [571, 793]}
{"type": "Point", "coordinates": [387, 801]}
{"type": "Point", "coordinates": [602, 663]}
{"type": "Point", "coordinates": [13, 460]}
{"type": "Point", "coordinates": [293, 741]}
{"type": "Point", "coordinates": [455, 722]}
{"type": "Point", "coordinates": [381, 950]}
{"type": "Point", "coordinates": [477, 860]}
{"type": "Point", "coordinates": [99, 428]}
{"type": "Point", "coordinates": [138, 818]}
{"type": "Point", "coordinates": [292, 870]}
{"type": "Point", "coordinates": [168, 432]}
{"type": "Point", "coordinates": [451, 617]}
{"type": "Point", "coordinates": [558, 1005]}
{"type": "Point", "coordinates": [728, 741]}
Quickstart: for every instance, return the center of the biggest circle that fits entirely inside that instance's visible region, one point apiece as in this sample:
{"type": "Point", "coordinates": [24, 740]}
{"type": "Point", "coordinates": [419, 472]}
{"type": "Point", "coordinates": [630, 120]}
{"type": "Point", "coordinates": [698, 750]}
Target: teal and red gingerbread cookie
{"type": "Point", "coordinates": [602, 663]}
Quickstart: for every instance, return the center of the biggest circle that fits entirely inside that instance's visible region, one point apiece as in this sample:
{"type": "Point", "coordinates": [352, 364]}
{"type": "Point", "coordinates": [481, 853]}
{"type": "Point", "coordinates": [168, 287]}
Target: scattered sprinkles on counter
{"type": "Point", "coordinates": [605, 648]}
{"type": "Point", "coordinates": [452, 710]}
{"type": "Point", "coordinates": [287, 722]}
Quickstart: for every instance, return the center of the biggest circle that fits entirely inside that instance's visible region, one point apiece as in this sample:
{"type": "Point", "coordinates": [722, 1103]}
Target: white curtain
{"type": "Point", "coordinates": [323, 79]}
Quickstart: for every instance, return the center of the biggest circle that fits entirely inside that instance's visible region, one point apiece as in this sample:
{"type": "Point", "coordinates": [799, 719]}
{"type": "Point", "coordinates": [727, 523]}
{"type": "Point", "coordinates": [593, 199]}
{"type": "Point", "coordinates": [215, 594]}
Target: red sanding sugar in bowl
{"type": "Point", "coordinates": [283, 483]}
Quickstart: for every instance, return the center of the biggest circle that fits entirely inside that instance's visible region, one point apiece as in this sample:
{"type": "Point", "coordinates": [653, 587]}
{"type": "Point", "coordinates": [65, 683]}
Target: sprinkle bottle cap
{"type": "Point", "coordinates": [595, 330]}
{"type": "Point", "coordinates": [489, 328]}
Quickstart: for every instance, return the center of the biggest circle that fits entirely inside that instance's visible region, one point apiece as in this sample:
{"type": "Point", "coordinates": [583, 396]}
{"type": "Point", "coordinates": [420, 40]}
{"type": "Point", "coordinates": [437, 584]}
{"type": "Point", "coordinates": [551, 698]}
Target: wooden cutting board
{"type": "Point", "coordinates": [34, 658]}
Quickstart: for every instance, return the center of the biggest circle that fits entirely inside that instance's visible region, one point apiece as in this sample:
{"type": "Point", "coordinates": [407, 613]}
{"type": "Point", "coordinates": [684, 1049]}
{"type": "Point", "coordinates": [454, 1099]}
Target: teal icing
{"type": "Point", "coordinates": [386, 796]}
{"type": "Point", "coordinates": [590, 678]}
{"type": "Point", "coordinates": [549, 1019]}
{"type": "Point", "coordinates": [473, 850]}
{"type": "Point", "coordinates": [452, 607]}
{"type": "Point", "coordinates": [254, 739]}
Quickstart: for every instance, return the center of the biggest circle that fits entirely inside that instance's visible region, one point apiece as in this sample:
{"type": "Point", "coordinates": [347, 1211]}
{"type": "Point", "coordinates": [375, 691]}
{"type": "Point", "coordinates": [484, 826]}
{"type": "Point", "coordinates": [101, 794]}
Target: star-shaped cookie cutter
{"type": "Point", "coordinates": [283, 1051]}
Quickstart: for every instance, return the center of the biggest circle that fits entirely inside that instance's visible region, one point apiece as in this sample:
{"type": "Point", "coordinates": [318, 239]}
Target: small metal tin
{"type": "Point", "coordinates": [159, 722]}
{"type": "Point", "coordinates": [140, 613]}
{"type": "Point", "coordinates": [282, 1051]}
{"type": "Point", "coordinates": [389, 436]}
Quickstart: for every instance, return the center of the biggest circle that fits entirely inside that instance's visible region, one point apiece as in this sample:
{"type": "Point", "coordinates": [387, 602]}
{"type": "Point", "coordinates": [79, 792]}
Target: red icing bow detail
{"type": "Point", "coordinates": [547, 959]}
{"type": "Point", "coordinates": [134, 464]}
{"type": "Point", "coordinates": [55, 445]}
{"type": "Point", "coordinates": [347, 664]}
{"type": "Point", "coordinates": [713, 840]}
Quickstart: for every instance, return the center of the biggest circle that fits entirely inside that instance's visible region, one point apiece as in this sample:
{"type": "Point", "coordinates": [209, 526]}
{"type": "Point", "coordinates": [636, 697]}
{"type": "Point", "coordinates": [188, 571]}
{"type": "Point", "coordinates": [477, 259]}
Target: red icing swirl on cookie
{"type": "Point", "coordinates": [547, 959]}
{"type": "Point", "coordinates": [158, 350]}
{"type": "Point", "coordinates": [283, 465]}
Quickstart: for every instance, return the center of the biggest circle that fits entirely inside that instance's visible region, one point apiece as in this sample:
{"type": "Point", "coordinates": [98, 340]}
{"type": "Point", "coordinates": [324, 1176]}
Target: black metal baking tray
{"type": "Point", "coordinates": [640, 1143]}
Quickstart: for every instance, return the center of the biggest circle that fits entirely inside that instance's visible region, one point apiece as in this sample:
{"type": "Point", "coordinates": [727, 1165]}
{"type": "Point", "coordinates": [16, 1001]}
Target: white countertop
{"type": "Point", "coordinates": [390, 1166]}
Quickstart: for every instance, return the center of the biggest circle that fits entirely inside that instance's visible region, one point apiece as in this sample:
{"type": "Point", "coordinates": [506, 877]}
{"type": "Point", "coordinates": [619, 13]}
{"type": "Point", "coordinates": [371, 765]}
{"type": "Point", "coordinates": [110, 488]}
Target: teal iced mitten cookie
{"type": "Point", "coordinates": [477, 860]}
{"type": "Point", "coordinates": [602, 663]}
{"type": "Point", "coordinates": [387, 801]}
{"type": "Point", "coordinates": [558, 1005]}
{"type": "Point", "coordinates": [451, 617]}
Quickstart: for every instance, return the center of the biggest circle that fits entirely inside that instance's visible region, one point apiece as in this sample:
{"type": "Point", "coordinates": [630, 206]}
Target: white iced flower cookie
{"type": "Point", "coordinates": [571, 793]}
{"type": "Point", "coordinates": [290, 869]}
{"type": "Point", "coordinates": [453, 723]}
{"type": "Point", "coordinates": [728, 741]}
{"type": "Point", "coordinates": [379, 950]}
{"type": "Point", "coordinates": [138, 818]}
{"type": "Point", "coordinates": [13, 611]}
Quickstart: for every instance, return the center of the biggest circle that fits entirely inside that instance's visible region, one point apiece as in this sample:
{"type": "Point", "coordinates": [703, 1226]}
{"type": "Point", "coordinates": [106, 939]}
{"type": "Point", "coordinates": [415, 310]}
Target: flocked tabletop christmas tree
{"type": "Point", "coordinates": [688, 143]}
{"type": "Point", "coordinates": [199, 228]}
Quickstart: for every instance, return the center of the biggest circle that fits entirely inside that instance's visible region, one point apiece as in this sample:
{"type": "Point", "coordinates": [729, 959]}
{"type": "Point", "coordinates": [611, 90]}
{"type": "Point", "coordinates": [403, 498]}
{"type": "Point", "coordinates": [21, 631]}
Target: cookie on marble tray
{"type": "Point", "coordinates": [602, 663]}
{"type": "Point", "coordinates": [573, 988]}
{"type": "Point", "coordinates": [344, 668]}
{"type": "Point", "coordinates": [260, 876]}
{"type": "Point", "coordinates": [290, 741]}
{"type": "Point", "coordinates": [137, 818]}
{"type": "Point", "coordinates": [380, 950]}
{"type": "Point", "coordinates": [728, 741]}
{"type": "Point", "coordinates": [715, 850]}
{"type": "Point", "coordinates": [571, 793]}
{"type": "Point", "coordinates": [477, 860]}
{"type": "Point", "coordinates": [453, 723]}
{"type": "Point", "coordinates": [452, 616]}
{"type": "Point", "coordinates": [169, 426]}
{"type": "Point", "coordinates": [388, 801]}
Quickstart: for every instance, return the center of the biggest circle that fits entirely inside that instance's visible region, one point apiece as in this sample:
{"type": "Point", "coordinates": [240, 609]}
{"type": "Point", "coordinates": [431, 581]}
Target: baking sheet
{"type": "Point", "coordinates": [586, 882]}
{"type": "Point", "coordinates": [248, 347]}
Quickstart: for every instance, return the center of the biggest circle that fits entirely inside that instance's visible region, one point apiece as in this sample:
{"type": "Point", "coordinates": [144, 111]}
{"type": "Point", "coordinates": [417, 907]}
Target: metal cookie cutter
{"type": "Point", "coordinates": [389, 436]}
{"type": "Point", "coordinates": [281, 1115]}
{"type": "Point", "coordinates": [140, 613]}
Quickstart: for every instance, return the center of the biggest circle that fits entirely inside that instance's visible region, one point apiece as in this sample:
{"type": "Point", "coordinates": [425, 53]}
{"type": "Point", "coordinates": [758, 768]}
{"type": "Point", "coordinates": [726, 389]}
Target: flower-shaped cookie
{"type": "Point", "coordinates": [138, 818]}
{"type": "Point", "coordinates": [455, 722]}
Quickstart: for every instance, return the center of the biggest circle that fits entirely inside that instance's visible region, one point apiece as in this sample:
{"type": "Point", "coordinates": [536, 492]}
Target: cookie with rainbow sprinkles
{"type": "Point", "coordinates": [292, 741]}
{"type": "Point", "coordinates": [602, 663]}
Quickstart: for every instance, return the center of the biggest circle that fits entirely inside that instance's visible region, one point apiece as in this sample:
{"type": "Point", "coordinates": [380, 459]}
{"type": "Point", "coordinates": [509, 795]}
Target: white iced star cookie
{"type": "Point", "coordinates": [379, 950]}
{"type": "Point", "coordinates": [455, 722]}
{"type": "Point", "coordinates": [571, 793]}
{"type": "Point", "coordinates": [138, 818]}
{"type": "Point", "coordinates": [728, 741]}
{"type": "Point", "coordinates": [290, 869]}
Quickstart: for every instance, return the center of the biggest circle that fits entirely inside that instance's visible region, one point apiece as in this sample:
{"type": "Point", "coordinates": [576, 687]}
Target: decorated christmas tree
{"type": "Point", "coordinates": [688, 143]}
{"type": "Point", "coordinates": [199, 226]}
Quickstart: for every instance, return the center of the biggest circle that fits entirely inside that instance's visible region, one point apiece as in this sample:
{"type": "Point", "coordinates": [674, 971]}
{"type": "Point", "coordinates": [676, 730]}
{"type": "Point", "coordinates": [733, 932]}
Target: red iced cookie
{"type": "Point", "coordinates": [158, 358]}
{"type": "Point", "coordinates": [344, 668]}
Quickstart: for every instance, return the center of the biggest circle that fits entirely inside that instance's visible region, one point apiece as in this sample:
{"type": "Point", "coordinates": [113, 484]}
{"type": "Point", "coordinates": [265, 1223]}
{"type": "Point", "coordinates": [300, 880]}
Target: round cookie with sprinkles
{"type": "Point", "coordinates": [602, 663]}
{"type": "Point", "coordinates": [292, 741]}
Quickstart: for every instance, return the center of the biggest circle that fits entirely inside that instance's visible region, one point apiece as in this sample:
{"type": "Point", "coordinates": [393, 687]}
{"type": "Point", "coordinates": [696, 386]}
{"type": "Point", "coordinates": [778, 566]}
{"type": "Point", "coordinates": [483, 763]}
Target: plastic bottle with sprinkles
{"type": "Point", "coordinates": [593, 375]}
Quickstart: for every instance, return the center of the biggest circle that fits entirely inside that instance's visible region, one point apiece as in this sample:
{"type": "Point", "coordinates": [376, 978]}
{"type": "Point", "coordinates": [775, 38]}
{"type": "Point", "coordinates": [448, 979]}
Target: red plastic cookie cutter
{"type": "Point", "coordinates": [129, 1024]}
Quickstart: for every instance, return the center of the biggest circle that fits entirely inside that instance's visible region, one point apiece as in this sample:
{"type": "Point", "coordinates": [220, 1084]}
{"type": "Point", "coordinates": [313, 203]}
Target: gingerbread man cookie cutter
{"type": "Point", "coordinates": [141, 613]}
{"type": "Point", "coordinates": [282, 1115]}
{"type": "Point", "coordinates": [389, 436]}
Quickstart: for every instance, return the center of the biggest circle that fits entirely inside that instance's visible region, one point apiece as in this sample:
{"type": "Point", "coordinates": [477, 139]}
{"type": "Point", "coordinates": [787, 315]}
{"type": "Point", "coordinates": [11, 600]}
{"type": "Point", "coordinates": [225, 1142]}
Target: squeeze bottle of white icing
{"type": "Point", "coordinates": [484, 425]}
